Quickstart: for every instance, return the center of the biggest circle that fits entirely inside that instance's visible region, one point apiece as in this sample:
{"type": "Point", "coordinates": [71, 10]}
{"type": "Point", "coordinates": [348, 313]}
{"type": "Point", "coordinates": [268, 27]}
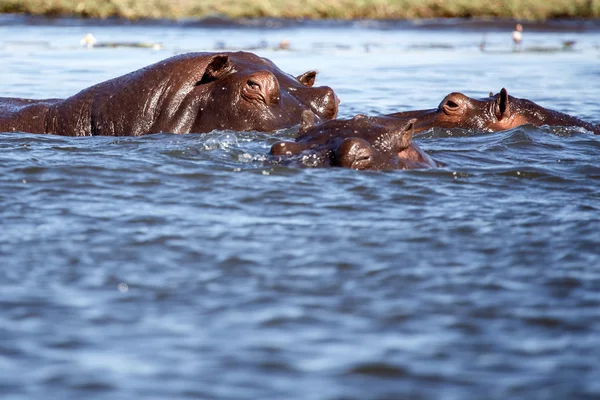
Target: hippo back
{"type": "Point", "coordinates": [24, 115]}
{"type": "Point", "coordinates": [143, 101]}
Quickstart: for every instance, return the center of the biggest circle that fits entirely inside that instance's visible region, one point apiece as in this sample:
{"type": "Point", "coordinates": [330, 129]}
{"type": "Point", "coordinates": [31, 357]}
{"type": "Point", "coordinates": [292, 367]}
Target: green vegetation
{"type": "Point", "coordinates": [316, 9]}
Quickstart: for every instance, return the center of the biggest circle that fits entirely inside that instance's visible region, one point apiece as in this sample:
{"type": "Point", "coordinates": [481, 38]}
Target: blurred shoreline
{"type": "Point", "coordinates": [532, 10]}
{"type": "Point", "coordinates": [466, 24]}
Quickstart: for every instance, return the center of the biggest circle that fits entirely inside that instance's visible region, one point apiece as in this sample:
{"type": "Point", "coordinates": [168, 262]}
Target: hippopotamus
{"type": "Point", "coordinates": [365, 143]}
{"type": "Point", "coordinates": [495, 113]}
{"type": "Point", "coordinates": [194, 92]}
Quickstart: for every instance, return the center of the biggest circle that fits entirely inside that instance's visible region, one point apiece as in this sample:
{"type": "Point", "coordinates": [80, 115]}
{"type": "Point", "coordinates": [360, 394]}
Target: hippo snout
{"type": "Point", "coordinates": [324, 102]}
{"type": "Point", "coordinates": [332, 103]}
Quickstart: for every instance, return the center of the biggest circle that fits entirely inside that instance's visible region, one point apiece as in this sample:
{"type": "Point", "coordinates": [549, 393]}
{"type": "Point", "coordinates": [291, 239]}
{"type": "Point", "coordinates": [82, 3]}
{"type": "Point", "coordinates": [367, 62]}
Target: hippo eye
{"type": "Point", "coordinates": [451, 104]}
{"type": "Point", "coordinates": [253, 85]}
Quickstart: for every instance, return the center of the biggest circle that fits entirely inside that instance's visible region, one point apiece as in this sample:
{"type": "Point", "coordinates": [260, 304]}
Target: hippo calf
{"type": "Point", "coordinates": [365, 143]}
{"type": "Point", "coordinates": [495, 113]}
{"type": "Point", "coordinates": [195, 92]}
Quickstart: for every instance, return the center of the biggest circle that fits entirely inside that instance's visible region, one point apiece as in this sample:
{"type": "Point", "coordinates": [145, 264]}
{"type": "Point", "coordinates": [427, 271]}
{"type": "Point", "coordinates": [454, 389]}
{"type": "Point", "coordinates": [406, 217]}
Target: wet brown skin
{"type": "Point", "coordinates": [195, 92]}
{"type": "Point", "coordinates": [495, 113]}
{"type": "Point", "coordinates": [365, 143]}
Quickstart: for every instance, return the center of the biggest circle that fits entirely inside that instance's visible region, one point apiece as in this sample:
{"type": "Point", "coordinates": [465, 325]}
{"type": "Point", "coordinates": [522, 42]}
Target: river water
{"type": "Point", "coordinates": [187, 266]}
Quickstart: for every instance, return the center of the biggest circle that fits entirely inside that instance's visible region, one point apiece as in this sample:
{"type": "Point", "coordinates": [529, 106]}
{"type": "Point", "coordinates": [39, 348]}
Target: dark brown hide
{"type": "Point", "coordinates": [195, 92]}
{"type": "Point", "coordinates": [366, 143]}
{"type": "Point", "coordinates": [495, 113]}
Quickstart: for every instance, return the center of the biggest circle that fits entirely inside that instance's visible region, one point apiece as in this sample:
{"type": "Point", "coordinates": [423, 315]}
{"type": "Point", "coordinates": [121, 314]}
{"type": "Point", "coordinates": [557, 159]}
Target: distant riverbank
{"type": "Point", "coordinates": [311, 9]}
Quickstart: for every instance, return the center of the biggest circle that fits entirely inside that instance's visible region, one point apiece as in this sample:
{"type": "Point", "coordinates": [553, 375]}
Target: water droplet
{"type": "Point", "coordinates": [123, 287]}
{"type": "Point", "coordinates": [245, 157]}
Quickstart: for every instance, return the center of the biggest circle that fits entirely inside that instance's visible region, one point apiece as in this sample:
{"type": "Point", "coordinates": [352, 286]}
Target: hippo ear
{"type": "Point", "coordinates": [309, 119]}
{"type": "Point", "coordinates": [407, 133]}
{"type": "Point", "coordinates": [217, 66]}
{"type": "Point", "coordinates": [502, 108]}
{"type": "Point", "coordinates": [307, 78]}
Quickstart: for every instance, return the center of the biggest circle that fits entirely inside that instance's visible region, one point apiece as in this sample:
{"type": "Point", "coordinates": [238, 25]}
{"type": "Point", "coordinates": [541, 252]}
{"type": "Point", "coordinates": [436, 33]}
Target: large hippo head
{"type": "Point", "coordinates": [366, 143]}
{"type": "Point", "coordinates": [245, 92]}
{"type": "Point", "coordinates": [194, 92]}
{"type": "Point", "coordinates": [494, 113]}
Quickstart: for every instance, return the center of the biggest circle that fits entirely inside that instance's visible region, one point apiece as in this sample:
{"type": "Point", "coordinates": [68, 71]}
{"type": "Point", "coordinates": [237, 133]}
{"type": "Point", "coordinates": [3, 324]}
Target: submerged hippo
{"type": "Point", "coordinates": [495, 113]}
{"type": "Point", "coordinates": [195, 92]}
{"type": "Point", "coordinates": [373, 143]}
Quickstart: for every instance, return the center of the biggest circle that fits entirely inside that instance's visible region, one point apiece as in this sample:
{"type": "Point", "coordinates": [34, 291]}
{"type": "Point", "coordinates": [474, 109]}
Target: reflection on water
{"type": "Point", "coordinates": [189, 267]}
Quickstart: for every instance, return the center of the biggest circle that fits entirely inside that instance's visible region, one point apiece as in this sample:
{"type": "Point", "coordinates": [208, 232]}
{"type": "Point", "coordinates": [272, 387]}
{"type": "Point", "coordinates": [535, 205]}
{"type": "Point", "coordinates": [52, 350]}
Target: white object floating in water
{"type": "Point", "coordinates": [88, 41]}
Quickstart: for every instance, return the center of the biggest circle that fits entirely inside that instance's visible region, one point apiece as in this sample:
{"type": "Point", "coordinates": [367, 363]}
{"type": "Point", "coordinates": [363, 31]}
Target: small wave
{"type": "Point", "coordinates": [379, 369]}
{"type": "Point", "coordinates": [28, 139]}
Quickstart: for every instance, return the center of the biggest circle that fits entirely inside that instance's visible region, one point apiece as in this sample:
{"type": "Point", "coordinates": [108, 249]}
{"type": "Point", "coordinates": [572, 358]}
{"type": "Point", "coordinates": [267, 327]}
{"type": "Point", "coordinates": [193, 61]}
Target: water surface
{"type": "Point", "coordinates": [187, 266]}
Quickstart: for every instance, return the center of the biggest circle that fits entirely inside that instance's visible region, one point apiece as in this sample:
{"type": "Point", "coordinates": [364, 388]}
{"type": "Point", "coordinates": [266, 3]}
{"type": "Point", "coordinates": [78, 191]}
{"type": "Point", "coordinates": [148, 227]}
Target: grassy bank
{"type": "Point", "coordinates": [316, 9]}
